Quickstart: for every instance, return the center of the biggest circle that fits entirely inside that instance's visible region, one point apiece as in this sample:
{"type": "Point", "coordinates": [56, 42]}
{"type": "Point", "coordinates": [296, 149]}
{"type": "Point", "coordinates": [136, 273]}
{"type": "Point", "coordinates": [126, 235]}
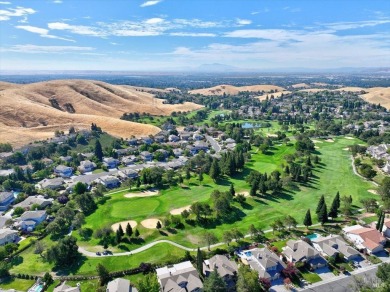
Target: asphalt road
{"type": "Point", "coordinates": [214, 144]}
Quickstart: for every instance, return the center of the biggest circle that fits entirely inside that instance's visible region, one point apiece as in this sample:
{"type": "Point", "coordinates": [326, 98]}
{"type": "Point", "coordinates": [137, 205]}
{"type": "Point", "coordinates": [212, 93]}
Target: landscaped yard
{"type": "Point", "coordinates": [17, 284]}
{"type": "Point", "coordinates": [311, 277]}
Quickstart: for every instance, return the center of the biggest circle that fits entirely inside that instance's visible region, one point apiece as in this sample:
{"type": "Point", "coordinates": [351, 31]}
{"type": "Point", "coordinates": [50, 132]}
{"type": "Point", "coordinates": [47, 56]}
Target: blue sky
{"type": "Point", "coordinates": [169, 34]}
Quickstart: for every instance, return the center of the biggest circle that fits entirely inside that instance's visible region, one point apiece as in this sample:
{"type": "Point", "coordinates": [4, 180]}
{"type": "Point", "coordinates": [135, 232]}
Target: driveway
{"type": "Point", "coordinates": [214, 144]}
{"type": "Point", "coordinates": [324, 273]}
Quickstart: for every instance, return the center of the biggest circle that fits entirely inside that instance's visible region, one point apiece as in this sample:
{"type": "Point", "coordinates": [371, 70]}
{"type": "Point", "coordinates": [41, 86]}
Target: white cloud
{"type": "Point", "coordinates": [6, 14]}
{"type": "Point", "coordinates": [154, 20]}
{"type": "Point", "coordinates": [193, 34]}
{"type": "Point", "coordinates": [5, 3]}
{"type": "Point", "coordinates": [76, 29]}
{"type": "Point", "coordinates": [243, 21]}
{"type": "Point", "coordinates": [357, 24]}
{"type": "Point", "coordinates": [43, 32]}
{"type": "Point", "coordinates": [57, 1]}
{"type": "Point", "coordinates": [34, 49]}
{"type": "Point", "coordinates": [150, 3]}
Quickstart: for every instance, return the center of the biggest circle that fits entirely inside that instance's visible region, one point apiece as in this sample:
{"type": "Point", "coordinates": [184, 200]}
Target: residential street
{"type": "Point", "coordinates": [213, 143]}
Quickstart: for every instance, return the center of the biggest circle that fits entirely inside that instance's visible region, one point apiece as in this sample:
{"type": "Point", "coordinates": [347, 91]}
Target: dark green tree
{"type": "Point", "coordinates": [98, 150]}
{"type": "Point", "coordinates": [120, 229]}
{"type": "Point", "coordinates": [103, 273]}
{"type": "Point", "coordinates": [214, 282]}
{"type": "Point", "coordinates": [136, 234]}
{"type": "Point", "coordinates": [321, 202]}
{"type": "Point", "coordinates": [199, 262]}
{"type": "Point", "coordinates": [334, 208]}
{"type": "Point", "coordinates": [323, 215]}
{"type": "Point", "coordinates": [247, 280]}
{"type": "Point", "coordinates": [378, 223]}
{"type": "Point", "coordinates": [129, 230]}
{"type": "Point", "coordinates": [307, 221]}
{"type": "Point", "coordinates": [158, 225]}
{"type": "Point", "coordinates": [148, 283]}
{"type": "Point", "coordinates": [64, 253]}
{"type": "Point", "coordinates": [47, 279]}
{"type": "Point", "coordinates": [215, 171]}
{"type": "Point", "coordinates": [232, 191]}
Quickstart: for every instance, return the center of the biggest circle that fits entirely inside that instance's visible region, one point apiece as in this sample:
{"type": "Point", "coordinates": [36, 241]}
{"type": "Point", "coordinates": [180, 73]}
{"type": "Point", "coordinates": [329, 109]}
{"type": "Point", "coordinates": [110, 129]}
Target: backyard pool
{"type": "Point", "coordinates": [36, 288]}
{"type": "Point", "coordinates": [248, 254]}
{"type": "Point", "coordinates": [313, 236]}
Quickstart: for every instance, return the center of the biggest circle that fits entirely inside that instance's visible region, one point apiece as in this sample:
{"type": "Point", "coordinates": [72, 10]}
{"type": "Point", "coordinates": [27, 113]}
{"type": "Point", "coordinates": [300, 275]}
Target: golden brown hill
{"type": "Point", "coordinates": [232, 90]}
{"type": "Point", "coordinates": [34, 111]}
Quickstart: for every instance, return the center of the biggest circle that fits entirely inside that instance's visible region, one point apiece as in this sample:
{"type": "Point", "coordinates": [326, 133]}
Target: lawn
{"type": "Point", "coordinates": [311, 277]}
{"type": "Point", "coordinates": [334, 174]}
{"type": "Point", "coordinates": [89, 285]}
{"type": "Point", "coordinates": [33, 264]}
{"type": "Point", "coordinates": [370, 219]}
{"type": "Point", "coordinates": [17, 284]}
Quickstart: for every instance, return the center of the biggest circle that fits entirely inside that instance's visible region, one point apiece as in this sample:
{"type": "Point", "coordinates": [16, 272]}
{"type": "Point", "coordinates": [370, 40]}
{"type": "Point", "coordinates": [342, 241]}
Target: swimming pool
{"type": "Point", "coordinates": [313, 236]}
{"type": "Point", "coordinates": [36, 288]}
{"type": "Point", "coordinates": [248, 254]}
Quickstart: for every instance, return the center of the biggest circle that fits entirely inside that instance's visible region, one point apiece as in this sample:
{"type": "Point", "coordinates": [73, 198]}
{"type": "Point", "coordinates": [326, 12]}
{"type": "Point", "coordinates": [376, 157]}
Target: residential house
{"type": "Point", "coordinates": [110, 162]}
{"type": "Point", "coordinates": [128, 160]}
{"type": "Point", "coordinates": [133, 142]}
{"type": "Point", "coordinates": [386, 228]}
{"type": "Point", "coordinates": [121, 152]}
{"type": "Point", "coordinates": [3, 220]}
{"type": "Point", "coordinates": [147, 140]}
{"type": "Point", "coordinates": [127, 173]}
{"type": "Point", "coordinates": [177, 152]}
{"type": "Point", "coordinates": [5, 155]}
{"type": "Point", "coordinates": [168, 126]}
{"type": "Point", "coordinates": [66, 158]}
{"type": "Point", "coordinates": [6, 199]}
{"type": "Point", "coordinates": [66, 288]}
{"type": "Point", "coordinates": [86, 166]}
{"type": "Point", "coordinates": [226, 269]}
{"type": "Point", "coordinates": [146, 156]}
{"type": "Point", "coordinates": [185, 136]}
{"type": "Point", "coordinates": [159, 138]}
{"type": "Point", "coordinates": [120, 285]}
{"type": "Point", "coordinates": [386, 168]}
{"type": "Point", "coordinates": [268, 264]}
{"type": "Point", "coordinates": [63, 171]}
{"type": "Point", "coordinates": [366, 239]}
{"type": "Point", "coordinates": [53, 184]}
{"type": "Point", "coordinates": [182, 277]}
{"type": "Point", "coordinates": [173, 138]}
{"type": "Point", "coordinates": [6, 172]}
{"type": "Point", "coordinates": [200, 145]}
{"type": "Point", "coordinates": [334, 245]}
{"type": "Point", "coordinates": [197, 136]}
{"type": "Point", "coordinates": [109, 181]}
{"type": "Point", "coordinates": [39, 200]}
{"type": "Point", "coordinates": [8, 236]}
{"type": "Point", "coordinates": [301, 251]}
{"type": "Point", "coordinates": [30, 219]}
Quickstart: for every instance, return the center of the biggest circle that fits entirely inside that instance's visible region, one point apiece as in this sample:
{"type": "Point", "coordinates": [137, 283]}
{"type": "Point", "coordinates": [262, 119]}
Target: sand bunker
{"type": "Point", "coordinates": [346, 149]}
{"type": "Point", "coordinates": [316, 147]}
{"type": "Point", "coordinates": [373, 192]}
{"type": "Point", "coordinates": [150, 223]}
{"type": "Point", "coordinates": [329, 140]}
{"type": "Point", "coordinates": [245, 194]}
{"type": "Point", "coordinates": [115, 226]}
{"type": "Point", "coordinates": [179, 210]}
{"type": "Point", "coordinates": [271, 135]}
{"type": "Point", "coordinates": [317, 141]}
{"type": "Point", "coordinates": [142, 194]}
{"type": "Point", "coordinates": [350, 138]}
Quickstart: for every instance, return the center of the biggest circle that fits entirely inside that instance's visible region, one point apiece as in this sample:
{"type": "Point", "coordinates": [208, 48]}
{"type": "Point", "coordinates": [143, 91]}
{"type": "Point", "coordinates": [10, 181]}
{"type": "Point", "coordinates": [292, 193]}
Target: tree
{"type": "Point", "coordinates": [227, 237]}
{"type": "Point", "coordinates": [334, 209]}
{"type": "Point", "coordinates": [383, 272]}
{"type": "Point", "coordinates": [199, 262]}
{"type": "Point", "coordinates": [232, 191]}
{"type": "Point", "coordinates": [200, 177]}
{"type": "Point", "coordinates": [79, 188]}
{"type": "Point", "coordinates": [129, 230]}
{"type": "Point", "coordinates": [209, 238]}
{"type": "Point", "coordinates": [214, 283]}
{"type": "Point", "coordinates": [158, 225]}
{"type": "Point", "coordinates": [290, 222]}
{"type": "Point", "coordinates": [321, 202]}
{"type": "Point", "coordinates": [215, 171]}
{"type": "Point", "coordinates": [337, 198]}
{"type": "Point", "coordinates": [247, 280]}
{"type": "Point", "coordinates": [347, 205]}
{"type": "Point", "coordinates": [148, 283]}
{"type": "Point", "coordinates": [104, 275]}
{"type": "Point", "coordinates": [188, 174]}
{"type": "Point", "coordinates": [98, 150]}
{"type": "Point", "coordinates": [118, 236]}
{"type": "Point", "coordinates": [78, 221]}
{"type": "Point", "coordinates": [120, 229]}
{"type": "Point", "coordinates": [323, 215]}
{"type": "Point", "coordinates": [307, 221]}
{"type": "Point", "coordinates": [136, 234]}
{"type": "Point", "coordinates": [39, 247]}
{"type": "Point", "coordinates": [86, 203]}
{"type": "Point", "coordinates": [64, 253]}
{"type": "Point", "coordinates": [47, 279]}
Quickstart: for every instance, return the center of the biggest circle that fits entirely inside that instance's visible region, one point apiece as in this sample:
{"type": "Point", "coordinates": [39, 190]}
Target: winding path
{"type": "Point", "coordinates": [87, 253]}
{"type": "Point", "coordinates": [362, 177]}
